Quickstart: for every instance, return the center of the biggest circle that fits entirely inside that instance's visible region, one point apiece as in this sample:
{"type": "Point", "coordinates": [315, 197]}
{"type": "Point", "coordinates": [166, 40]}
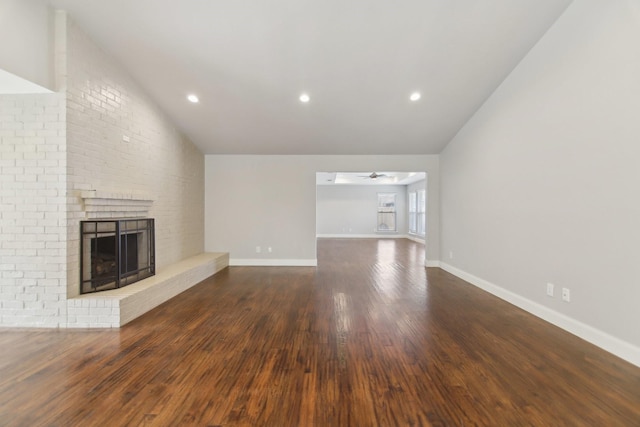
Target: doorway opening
{"type": "Point", "coordinates": [371, 204]}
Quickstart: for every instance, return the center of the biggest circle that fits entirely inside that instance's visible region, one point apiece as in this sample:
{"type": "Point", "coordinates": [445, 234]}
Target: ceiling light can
{"type": "Point", "coordinates": [415, 96]}
{"type": "Point", "coordinates": [304, 97]}
{"type": "Point", "coordinates": [193, 98]}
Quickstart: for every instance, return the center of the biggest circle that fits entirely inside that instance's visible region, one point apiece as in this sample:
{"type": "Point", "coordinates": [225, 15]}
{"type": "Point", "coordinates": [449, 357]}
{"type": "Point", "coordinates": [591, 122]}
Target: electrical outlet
{"type": "Point", "coordinates": [566, 295]}
{"type": "Point", "coordinates": [269, 249]}
{"type": "Point", "coordinates": [258, 249]}
{"type": "Point", "coordinates": [450, 254]}
{"type": "Point", "coordinates": [550, 289]}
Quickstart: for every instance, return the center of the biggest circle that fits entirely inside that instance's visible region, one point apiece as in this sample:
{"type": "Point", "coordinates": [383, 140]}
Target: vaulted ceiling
{"type": "Point", "coordinates": [248, 61]}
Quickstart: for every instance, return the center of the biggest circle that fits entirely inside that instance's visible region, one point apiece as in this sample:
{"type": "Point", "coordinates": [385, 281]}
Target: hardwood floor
{"type": "Point", "coordinates": [368, 338]}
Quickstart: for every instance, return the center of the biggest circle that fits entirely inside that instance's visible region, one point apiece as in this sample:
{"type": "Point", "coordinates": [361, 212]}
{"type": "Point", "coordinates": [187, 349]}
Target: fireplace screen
{"type": "Point", "coordinates": [115, 253]}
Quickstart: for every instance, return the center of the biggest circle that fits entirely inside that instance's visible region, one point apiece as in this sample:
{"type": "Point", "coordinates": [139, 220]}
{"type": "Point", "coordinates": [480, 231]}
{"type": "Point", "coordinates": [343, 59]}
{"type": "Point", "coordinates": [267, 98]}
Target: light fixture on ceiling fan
{"type": "Point", "coordinates": [374, 175]}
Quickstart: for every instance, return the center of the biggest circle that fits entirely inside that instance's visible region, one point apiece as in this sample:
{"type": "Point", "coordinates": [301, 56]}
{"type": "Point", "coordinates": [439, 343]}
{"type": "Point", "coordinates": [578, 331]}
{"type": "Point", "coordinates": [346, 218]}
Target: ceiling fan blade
{"type": "Point", "coordinates": [373, 175]}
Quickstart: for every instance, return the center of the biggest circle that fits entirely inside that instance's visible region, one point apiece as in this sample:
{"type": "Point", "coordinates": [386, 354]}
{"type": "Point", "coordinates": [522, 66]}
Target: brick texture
{"type": "Point", "coordinates": [105, 107]}
{"type": "Point", "coordinates": [101, 133]}
{"type": "Point", "coordinates": [33, 281]}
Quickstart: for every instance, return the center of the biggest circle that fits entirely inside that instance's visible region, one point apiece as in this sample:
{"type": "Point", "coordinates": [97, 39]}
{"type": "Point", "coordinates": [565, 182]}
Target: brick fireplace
{"type": "Point", "coordinates": [59, 151]}
{"type": "Point", "coordinates": [116, 228]}
{"type": "Point", "coordinates": [117, 240]}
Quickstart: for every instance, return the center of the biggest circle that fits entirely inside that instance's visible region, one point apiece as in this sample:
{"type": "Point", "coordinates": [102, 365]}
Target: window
{"type": "Point", "coordinates": [417, 211]}
{"type": "Point", "coordinates": [413, 213]}
{"type": "Point", "coordinates": [421, 212]}
{"type": "Point", "coordinates": [386, 212]}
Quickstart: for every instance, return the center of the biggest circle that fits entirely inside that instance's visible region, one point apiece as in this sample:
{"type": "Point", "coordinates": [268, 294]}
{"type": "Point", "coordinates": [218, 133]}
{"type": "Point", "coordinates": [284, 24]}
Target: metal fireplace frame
{"type": "Point", "coordinates": [120, 230]}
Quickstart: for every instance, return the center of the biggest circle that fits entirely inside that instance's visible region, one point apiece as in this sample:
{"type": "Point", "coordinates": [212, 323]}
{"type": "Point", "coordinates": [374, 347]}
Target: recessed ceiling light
{"type": "Point", "coordinates": [193, 98]}
{"type": "Point", "coordinates": [305, 98]}
{"type": "Point", "coordinates": [415, 96]}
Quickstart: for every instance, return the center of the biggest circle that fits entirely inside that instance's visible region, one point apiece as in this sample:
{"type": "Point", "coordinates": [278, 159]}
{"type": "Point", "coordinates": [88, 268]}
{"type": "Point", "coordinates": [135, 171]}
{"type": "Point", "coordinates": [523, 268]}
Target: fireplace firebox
{"type": "Point", "coordinates": [116, 253]}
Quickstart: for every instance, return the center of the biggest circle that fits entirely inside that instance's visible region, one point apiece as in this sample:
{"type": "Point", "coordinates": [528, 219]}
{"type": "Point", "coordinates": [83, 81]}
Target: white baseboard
{"type": "Point", "coordinates": [270, 262]}
{"type": "Point", "coordinates": [616, 346]}
{"type": "Point", "coordinates": [363, 236]}
{"type": "Point", "coordinates": [415, 238]}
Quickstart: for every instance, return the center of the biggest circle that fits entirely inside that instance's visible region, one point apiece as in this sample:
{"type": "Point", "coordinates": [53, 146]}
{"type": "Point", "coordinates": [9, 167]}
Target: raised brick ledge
{"type": "Point", "coordinates": [114, 308]}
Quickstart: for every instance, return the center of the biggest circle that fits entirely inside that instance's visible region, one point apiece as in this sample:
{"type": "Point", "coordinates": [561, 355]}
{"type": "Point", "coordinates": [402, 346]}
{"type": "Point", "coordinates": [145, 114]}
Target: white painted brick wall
{"type": "Point", "coordinates": [33, 256]}
{"type": "Point", "coordinates": [54, 146]}
{"type": "Point", "coordinates": [105, 104]}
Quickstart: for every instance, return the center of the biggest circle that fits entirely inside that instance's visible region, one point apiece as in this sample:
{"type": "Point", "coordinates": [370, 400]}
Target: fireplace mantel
{"type": "Point", "coordinates": [103, 204]}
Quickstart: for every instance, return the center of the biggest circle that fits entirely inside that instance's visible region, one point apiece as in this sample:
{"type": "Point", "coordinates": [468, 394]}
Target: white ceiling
{"type": "Point", "coordinates": [359, 60]}
{"type": "Point", "coordinates": [369, 178]}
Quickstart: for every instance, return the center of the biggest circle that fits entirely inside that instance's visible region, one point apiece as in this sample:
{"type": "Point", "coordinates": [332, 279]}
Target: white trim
{"type": "Point", "coordinates": [416, 238]}
{"type": "Point", "coordinates": [412, 237]}
{"type": "Point", "coordinates": [264, 262]}
{"type": "Point", "coordinates": [618, 347]}
{"type": "Point", "coordinates": [363, 236]}
{"type": "Point", "coordinates": [432, 263]}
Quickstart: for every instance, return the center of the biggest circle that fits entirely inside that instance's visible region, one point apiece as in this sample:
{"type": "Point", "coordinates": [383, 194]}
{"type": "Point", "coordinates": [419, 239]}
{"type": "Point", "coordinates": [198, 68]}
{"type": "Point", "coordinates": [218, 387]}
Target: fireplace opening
{"type": "Point", "coordinates": [116, 253]}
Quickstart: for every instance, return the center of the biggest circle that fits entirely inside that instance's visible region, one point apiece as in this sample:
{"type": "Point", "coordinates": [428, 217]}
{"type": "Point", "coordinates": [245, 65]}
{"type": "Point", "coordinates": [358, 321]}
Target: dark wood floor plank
{"type": "Point", "coordinates": [368, 338]}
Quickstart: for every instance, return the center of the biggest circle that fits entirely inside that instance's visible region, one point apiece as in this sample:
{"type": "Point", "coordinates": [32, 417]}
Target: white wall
{"type": "Point", "coordinates": [542, 184]}
{"type": "Point", "coordinates": [26, 33]}
{"type": "Point", "coordinates": [271, 201]}
{"type": "Point", "coordinates": [351, 210]}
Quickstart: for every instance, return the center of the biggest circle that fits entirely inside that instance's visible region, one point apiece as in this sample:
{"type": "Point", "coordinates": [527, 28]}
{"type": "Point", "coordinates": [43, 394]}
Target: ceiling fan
{"type": "Point", "coordinates": [374, 175]}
